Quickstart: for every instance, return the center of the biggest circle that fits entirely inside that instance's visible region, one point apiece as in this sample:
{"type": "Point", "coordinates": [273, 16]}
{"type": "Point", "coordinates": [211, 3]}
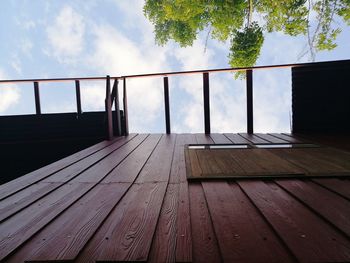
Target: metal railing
{"type": "Point", "coordinates": [113, 96]}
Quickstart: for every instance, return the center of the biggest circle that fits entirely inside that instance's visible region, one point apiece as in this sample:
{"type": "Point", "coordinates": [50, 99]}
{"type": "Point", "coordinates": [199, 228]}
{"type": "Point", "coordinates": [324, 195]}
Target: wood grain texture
{"type": "Point", "coordinates": [308, 237]}
{"type": "Point", "coordinates": [163, 247]}
{"type": "Point", "coordinates": [128, 236]}
{"type": "Point", "coordinates": [327, 204]}
{"type": "Point", "coordinates": [339, 186]}
{"type": "Point", "coordinates": [236, 221]}
{"type": "Point", "coordinates": [205, 245]}
{"type": "Point", "coordinates": [158, 166]}
{"type": "Point", "coordinates": [65, 237]}
{"type": "Point", "coordinates": [236, 138]}
{"type": "Point", "coordinates": [21, 199]}
{"type": "Point", "coordinates": [77, 168]}
{"type": "Point", "coordinates": [203, 138]}
{"type": "Point", "coordinates": [253, 138]}
{"type": "Point", "coordinates": [26, 223]}
{"type": "Point", "coordinates": [35, 176]}
{"type": "Point", "coordinates": [129, 168]}
{"type": "Point", "coordinates": [100, 169]}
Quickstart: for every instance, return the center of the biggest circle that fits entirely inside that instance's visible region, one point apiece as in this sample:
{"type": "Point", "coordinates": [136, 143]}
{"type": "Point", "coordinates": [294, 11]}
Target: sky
{"type": "Point", "coordinates": [83, 38]}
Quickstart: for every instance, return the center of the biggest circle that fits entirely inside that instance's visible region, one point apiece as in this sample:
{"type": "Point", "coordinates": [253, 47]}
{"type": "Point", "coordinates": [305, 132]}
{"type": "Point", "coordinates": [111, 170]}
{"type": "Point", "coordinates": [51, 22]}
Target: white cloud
{"type": "Point", "coordinates": [66, 35]}
{"type": "Point", "coordinates": [9, 95]}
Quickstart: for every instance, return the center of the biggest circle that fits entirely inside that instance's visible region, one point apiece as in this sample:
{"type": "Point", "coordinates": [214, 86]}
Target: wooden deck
{"type": "Point", "coordinates": [129, 200]}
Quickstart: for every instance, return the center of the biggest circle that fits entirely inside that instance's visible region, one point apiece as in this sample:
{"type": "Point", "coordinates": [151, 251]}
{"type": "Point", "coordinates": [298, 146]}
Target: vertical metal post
{"type": "Point", "coordinates": [37, 98]}
{"type": "Point", "coordinates": [117, 108]}
{"type": "Point", "coordinates": [206, 103]}
{"type": "Point", "coordinates": [249, 77]}
{"type": "Point", "coordinates": [125, 105]}
{"type": "Point", "coordinates": [77, 93]}
{"type": "Point", "coordinates": [166, 105]}
{"type": "Point", "coordinates": [108, 105]}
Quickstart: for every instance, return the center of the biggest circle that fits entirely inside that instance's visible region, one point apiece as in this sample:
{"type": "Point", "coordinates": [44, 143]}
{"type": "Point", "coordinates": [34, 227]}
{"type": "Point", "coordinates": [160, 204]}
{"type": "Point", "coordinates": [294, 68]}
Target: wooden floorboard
{"type": "Point", "coordinates": [309, 237]}
{"type": "Point", "coordinates": [130, 200]}
{"type": "Point", "coordinates": [236, 221]}
{"type": "Point", "coordinates": [337, 210]}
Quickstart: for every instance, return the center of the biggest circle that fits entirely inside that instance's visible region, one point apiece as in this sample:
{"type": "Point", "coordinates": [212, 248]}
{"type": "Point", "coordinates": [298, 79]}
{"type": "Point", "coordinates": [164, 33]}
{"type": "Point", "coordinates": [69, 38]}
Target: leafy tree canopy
{"type": "Point", "coordinates": [232, 20]}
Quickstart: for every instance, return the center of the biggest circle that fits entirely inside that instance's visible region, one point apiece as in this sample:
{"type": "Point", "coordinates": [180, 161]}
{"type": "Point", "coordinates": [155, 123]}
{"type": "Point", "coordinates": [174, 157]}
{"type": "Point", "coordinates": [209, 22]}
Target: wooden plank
{"type": "Point", "coordinates": [207, 162]}
{"type": "Point", "coordinates": [307, 236]}
{"type": "Point", "coordinates": [65, 237]}
{"type": "Point", "coordinates": [203, 138]}
{"type": "Point", "coordinates": [93, 168]}
{"type": "Point", "coordinates": [239, 227]}
{"type": "Point", "coordinates": [164, 241]}
{"type": "Point", "coordinates": [129, 168]}
{"type": "Point", "coordinates": [23, 198]}
{"type": "Point", "coordinates": [35, 176]}
{"type": "Point", "coordinates": [287, 138]}
{"type": "Point", "coordinates": [219, 138]}
{"type": "Point", "coordinates": [325, 203]}
{"type": "Point", "coordinates": [236, 138]}
{"type": "Point", "coordinates": [205, 245]}
{"type": "Point", "coordinates": [252, 138]}
{"type": "Point", "coordinates": [23, 225]}
{"type": "Point", "coordinates": [270, 138]}
{"type": "Point", "coordinates": [178, 168]}
{"type": "Point", "coordinates": [317, 161]}
{"type": "Point", "coordinates": [339, 186]}
{"type": "Point", "coordinates": [184, 230]}
{"type": "Point", "coordinates": [158, 166]}
{"type": "Point", "coordinates": [128, 237]}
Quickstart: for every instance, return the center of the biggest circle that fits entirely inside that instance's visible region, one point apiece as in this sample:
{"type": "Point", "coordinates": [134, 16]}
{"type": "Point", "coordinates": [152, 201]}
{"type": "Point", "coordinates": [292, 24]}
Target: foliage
{"type": "Point", "coordinates": [182, 20]}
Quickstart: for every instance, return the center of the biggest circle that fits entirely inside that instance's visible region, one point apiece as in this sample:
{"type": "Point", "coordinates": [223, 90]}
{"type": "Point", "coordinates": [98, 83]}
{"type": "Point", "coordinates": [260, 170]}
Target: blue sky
{"type": "Point", "coordinates": [48, 39]}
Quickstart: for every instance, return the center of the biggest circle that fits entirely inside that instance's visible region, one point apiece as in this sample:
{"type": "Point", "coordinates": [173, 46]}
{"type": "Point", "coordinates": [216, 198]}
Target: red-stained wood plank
{"type": "Point", "coordinates": [23, 225]}
{"type": "Point", "coordinates": [184, 230]}
{"type": "Point", "coordinates": [219, 138]}
{"type": "Point", "coordinates": [242, 234]}
{"type": "Point", "coordinates": [309, 237]}
{"type": "Point", "coordinates": [79, 167]}
{"type": "Point", "coordinates": [129, 168]}
{"type": "Point", "coordinates": [37, 175]}
{"type": "Point", "coordinates": [290, 138]}
{"type": "Point", "coordinates": [270, 138]}
{"type": "Point", "coordinates": [163, 247]}
{"type": "Point", "coordinates": [178, 168]}
{"type": "Point", "coordinates": [65, 237]}
{"type": "Point", "coordinates": [158, 167]}
{"type": "Point", "coordinates": [326, 203]}
{"type": "Point", "coordinates": [128, 236]}
{"type": "Point", "coordinates": [21, 199]}
{"type": "Point", "coordinates": [203, 138]}
{"type": "Point", "coordinates": [99, 170]}
{"type": "Point", "coordinates": [236, 138]}
{"type": "Point", "coordinates": [205, 245]}
{"type": "Point", "coordinates": [339, 186]}
{"type": "Point", "coordinates": [253, 138]}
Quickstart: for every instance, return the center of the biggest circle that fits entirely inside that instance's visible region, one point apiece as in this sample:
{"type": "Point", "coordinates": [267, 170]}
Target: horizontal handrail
{"type": "Point", "coordinates": [171, 73]}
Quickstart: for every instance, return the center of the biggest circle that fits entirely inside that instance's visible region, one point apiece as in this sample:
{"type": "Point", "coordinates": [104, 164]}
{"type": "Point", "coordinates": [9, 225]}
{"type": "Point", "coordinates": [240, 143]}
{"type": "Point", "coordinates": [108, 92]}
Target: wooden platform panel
{"type": "Point", "coordinates": [130, 200]}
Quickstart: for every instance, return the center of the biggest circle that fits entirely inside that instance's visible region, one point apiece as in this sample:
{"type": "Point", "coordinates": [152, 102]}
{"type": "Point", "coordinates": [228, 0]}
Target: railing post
{"type": "Point", "coordinates": [166, 105]}
{"type": "Point", "coordinates": [249, 78]}
{"type": "Point", "coordinates": [125, 105]}
{"type": "Point", "coordinates": [37, 98]}
{"type": "Point", "coordinates": [117, 108]}
{"type": "Point", "coordinates": [77, 93]}
{"type": "Point", "coordinates": [108, 106]}
{"type": "Point", "coordinates": [206, 103]}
